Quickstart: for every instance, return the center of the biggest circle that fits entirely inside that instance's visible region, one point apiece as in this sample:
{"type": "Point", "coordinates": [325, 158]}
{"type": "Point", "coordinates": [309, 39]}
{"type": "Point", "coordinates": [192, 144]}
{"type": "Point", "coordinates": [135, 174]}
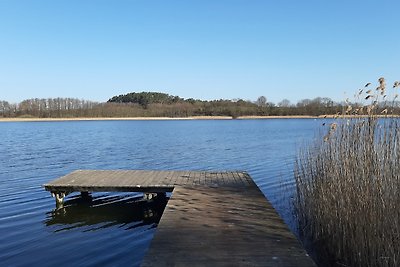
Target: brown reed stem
{"type": "Point", "coordinates": [348, 191]}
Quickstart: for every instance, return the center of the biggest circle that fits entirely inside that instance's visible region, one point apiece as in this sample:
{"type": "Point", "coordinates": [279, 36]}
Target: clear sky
{"type": "Point", "coordinates": [207, 49]}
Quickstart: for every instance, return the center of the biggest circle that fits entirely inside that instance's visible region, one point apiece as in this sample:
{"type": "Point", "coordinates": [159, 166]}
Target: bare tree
{"type": "Point", "coordinates": [285, 103]}
{"type": "Point", "coordinates": [261, 101]}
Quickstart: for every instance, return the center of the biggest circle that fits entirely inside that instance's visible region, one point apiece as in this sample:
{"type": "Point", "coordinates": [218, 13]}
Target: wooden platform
{"type": "Point", "coordinates": [212, 218]}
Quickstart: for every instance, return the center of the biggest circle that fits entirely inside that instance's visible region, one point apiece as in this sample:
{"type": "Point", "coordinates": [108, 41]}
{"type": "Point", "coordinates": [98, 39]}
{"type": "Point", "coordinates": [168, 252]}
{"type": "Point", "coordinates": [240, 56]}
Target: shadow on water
{"type": "Point", "coordinates": [99, 212]}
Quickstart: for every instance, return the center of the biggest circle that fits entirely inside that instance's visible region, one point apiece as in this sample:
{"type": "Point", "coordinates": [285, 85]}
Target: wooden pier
{"type": "Point", "coordinates": [212, 218]}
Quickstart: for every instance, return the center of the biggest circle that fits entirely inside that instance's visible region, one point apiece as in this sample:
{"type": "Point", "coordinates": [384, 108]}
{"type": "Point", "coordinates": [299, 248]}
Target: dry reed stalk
{"type": "Point", "coordinates": [347, 190]}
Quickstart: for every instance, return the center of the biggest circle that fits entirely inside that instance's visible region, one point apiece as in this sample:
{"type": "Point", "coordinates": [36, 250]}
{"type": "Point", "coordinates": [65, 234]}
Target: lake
{"type": "Point", "coordinates": [116, 229]}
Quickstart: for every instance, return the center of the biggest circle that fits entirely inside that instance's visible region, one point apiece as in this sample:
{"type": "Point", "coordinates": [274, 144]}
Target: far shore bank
{"type": "Point", "coordinates": [30, 119]}
{"type": "Point", "coordinates": [153, 118]}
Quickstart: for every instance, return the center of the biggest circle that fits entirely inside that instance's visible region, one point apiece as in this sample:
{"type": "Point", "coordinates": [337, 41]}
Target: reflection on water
{"type": "Point", "coordinates": [102, 211]}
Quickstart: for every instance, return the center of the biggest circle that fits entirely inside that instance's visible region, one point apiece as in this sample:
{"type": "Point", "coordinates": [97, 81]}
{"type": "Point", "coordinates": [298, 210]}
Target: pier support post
{"type": "Point", "coordinates": [148, 213]}
{"type": "Point", "coordinates": [59, 196]}
{"type": "Point", "coordinates": [154, 196]}
{"type": "Point", "coordinates": [149, 196]}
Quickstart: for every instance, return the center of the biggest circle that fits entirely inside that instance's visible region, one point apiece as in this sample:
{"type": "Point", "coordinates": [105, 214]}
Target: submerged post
{"type": "Point", "coordinates": [59, 196]}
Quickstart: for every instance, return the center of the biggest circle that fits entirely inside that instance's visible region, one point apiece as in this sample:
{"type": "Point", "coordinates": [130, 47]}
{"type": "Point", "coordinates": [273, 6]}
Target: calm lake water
{"type": "Point", "coordinates": [116, 229]}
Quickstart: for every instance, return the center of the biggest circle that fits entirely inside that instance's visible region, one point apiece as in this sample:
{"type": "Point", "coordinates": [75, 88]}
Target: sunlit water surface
{"type": "Point", "coordinates": [116, 229]}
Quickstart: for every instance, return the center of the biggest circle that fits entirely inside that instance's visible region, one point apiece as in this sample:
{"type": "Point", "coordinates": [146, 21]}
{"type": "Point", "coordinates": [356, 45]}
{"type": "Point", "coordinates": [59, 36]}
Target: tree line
{"type": "Point", "coordinates": [155, 104]}
{"type": "Point", "coordinates": [47, 108]}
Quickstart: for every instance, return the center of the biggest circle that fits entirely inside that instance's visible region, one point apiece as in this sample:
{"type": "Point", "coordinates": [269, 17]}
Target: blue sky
{"type": "Point", "coordinates": [196, 48]}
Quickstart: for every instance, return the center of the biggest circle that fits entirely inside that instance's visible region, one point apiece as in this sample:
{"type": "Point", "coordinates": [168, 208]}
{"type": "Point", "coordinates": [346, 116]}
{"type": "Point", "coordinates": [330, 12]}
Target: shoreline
{"type": "Point", "coordinates": [153, 118]}
{"type": "Point", "coordinates": [185, 118]}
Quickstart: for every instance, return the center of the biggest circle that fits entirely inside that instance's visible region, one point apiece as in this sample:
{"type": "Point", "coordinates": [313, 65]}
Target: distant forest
{"type": "Point", "coordinates": [155, 104]}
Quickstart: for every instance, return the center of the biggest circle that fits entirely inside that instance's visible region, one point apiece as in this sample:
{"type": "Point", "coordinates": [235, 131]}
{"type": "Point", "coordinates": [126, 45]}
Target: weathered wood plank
{"type": "Point", "coordinates": [231, 227]}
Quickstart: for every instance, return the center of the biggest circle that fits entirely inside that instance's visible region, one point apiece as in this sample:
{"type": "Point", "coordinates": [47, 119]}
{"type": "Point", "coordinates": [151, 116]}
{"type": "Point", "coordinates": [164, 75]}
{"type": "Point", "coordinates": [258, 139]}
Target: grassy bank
{"type": "Point", "coordinates": [347, 201]}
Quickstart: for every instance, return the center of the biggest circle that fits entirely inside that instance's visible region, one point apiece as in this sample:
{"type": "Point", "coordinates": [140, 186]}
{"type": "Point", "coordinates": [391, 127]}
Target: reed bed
{"type": "Point", "coordinates": [347, 201]}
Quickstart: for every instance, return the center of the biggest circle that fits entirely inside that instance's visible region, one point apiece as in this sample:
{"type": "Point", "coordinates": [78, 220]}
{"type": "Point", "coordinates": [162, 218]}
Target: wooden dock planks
{"type": "Point", "coordinates": [212, 218]}
{"type": "Point", "coordinates": [203, 226]}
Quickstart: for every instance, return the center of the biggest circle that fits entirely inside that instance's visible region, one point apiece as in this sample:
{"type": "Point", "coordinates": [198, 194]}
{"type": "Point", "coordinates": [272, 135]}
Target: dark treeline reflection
{"type": "Point", "coordinates": [103, 211]}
